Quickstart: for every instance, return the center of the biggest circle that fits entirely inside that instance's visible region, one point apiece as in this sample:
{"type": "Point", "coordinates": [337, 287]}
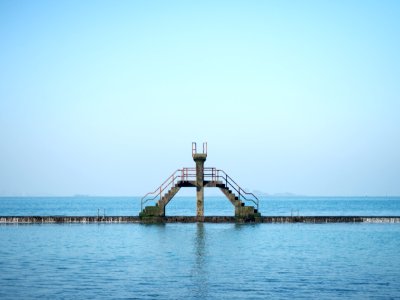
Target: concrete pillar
{"type": "Point", "coordinates": [199, 160]}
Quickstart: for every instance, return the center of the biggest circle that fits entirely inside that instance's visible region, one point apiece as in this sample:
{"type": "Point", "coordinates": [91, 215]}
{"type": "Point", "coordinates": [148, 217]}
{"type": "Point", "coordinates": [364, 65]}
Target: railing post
{"type": "Point", "coordinates": [194, 148]}
{"type": "Point", "coordinates": [205, 147]}
{"type": "Point", "coordinates": [226, 180]}
{"type": "Point", "coordinates": [160, 192]}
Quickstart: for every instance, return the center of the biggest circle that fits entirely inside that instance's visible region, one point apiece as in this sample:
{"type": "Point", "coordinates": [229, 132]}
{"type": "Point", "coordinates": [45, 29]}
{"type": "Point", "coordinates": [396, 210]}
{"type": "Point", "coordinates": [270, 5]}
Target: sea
{"type": "Point", "coordinates": [200, 261]}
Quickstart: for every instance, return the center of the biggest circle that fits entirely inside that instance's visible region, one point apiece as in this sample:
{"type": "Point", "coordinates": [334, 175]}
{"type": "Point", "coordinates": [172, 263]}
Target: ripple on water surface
{"type": "Point", "coordinates": [200, 261]}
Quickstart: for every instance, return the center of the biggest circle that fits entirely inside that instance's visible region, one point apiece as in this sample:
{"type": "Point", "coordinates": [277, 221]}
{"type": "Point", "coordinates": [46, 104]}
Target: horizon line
{"type": "Point", "coordinates": [182, 196]}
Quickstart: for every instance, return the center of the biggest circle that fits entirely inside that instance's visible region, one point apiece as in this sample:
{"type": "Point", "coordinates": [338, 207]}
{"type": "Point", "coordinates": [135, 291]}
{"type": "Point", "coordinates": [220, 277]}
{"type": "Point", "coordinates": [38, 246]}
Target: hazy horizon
{"type": "Point", "coordinates": [105, 98]}
{"type": "Point", "coordinates": [212, 194]}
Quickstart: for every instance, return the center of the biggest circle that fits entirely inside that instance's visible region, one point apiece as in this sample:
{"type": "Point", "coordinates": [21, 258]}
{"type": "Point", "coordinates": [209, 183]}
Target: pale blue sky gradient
{"type": "Point", "coordinates": [105, 97]}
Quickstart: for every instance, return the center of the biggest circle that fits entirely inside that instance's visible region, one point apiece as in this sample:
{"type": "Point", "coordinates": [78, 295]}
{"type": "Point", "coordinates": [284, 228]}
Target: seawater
{"type": "Point", "coordinates": [269, 206]}
{"type": "Point", "coordinates": [200, 261]}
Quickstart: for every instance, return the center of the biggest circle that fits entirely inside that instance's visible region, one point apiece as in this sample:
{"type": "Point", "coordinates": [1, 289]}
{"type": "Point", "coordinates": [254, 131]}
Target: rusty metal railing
{"type": "Point", "coordinates": [179, 175]}
{"type": "Point", "coordinates": [194, 148]}
{"type": "Point", "coordinates": [243, 195]}
{"type": "Point", "coordinates": [210, 174]}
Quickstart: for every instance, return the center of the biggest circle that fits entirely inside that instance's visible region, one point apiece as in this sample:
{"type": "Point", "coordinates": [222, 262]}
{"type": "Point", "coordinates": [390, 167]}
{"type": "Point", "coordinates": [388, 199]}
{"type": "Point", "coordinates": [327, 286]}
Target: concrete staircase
{"type": "Point", "coordinates": [212, 178]}
{"type": "Point", "coordinates": [158, 210]}
{"type": "Point", "coordinates": [242, 212]}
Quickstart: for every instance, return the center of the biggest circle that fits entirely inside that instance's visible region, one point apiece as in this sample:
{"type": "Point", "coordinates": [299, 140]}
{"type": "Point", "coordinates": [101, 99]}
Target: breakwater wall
{"type": "Point", "coordinates": [66, 219]}
{"type": "Point", "coordinates": [193, 219]}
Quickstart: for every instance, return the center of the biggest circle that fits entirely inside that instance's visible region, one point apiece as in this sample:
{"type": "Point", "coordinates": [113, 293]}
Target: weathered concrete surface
{"type": "Point", "coordinates": [194, 219]}
{"type": "Point", "coordinates": [152, 211]}
{"type": "Point", "coordinates": [247, 213]}
{"type": "Point", "coordinates": [199, 160]}
{"type": "Point", "coordinates": [332, 219]}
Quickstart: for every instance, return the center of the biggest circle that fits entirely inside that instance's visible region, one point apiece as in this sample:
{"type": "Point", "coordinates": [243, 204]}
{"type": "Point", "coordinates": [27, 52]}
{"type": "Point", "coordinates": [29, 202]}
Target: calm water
{"type": "Point", "coordinates": [200, 261]}
{"type": "Point", "coordinates": [306, 206]}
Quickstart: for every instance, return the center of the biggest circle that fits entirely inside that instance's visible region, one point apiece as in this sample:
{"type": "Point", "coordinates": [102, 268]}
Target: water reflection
{"type": "Point", "coordinates": [240, 227]}
{"type": "Point", "coordinates": [199, 271]}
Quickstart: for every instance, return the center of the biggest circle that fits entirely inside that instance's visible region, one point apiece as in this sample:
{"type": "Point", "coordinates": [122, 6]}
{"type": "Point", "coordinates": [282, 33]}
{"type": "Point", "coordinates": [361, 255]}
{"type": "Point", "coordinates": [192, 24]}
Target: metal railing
{"type": "Point", "coordinates": [221, 175]}
{"type": "Point", "coordinates": [210, 174]}
{"type": "Point", "coordinates": [194, 148]}
{"type": "Point", "coordinates": [158, 192]}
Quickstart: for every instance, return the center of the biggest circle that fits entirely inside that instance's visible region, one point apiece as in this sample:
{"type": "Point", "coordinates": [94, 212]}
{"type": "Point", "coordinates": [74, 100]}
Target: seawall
{"type": "Point", "coordinates": [193, 219]}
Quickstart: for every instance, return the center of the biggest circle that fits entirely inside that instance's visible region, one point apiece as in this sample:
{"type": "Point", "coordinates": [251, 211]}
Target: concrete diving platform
{"type": "Point", "coordinates": [194, 219]}
{"type": "Point", "coordinates": [245, 203]}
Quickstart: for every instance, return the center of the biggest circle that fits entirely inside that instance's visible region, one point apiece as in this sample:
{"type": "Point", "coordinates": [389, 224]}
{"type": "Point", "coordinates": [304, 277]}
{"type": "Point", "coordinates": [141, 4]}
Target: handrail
{"type": "Point", "coordinates": [194, 148]}
{"type": "Point", "coordinates": [182, 174]}
{"type": "Point", "coordinates": [238, 189]}
{"type": "Point", "coordinates": [209, 173]}
{"type": "Point", "coordinates": [158, 191]}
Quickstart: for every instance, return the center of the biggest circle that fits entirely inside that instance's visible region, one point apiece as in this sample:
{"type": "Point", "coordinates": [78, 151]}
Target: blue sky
{"type": "Point", "coordinates": [105, 97]}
